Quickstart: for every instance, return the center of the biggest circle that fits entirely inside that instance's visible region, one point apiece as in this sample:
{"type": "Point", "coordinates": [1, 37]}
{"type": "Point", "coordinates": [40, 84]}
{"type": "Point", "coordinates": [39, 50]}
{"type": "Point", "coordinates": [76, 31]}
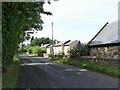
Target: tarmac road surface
{"type": "Point", "coordinates": [39, 72]}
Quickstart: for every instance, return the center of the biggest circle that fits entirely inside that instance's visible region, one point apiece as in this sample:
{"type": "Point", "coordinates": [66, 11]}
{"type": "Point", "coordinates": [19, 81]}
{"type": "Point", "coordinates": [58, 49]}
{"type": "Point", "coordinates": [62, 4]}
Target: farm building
{"type": "Point", "coordinates": [106, 42]}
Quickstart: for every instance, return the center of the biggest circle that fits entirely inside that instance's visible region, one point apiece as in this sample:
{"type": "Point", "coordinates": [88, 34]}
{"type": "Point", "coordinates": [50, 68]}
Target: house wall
{"type": "Point", "coordinates": [57, 50]}
{"type": "Point", "coordinates": [48, 51]}
{"type": "Point", "coordinates": [62, 48]}
{"type": "Point", "coordinates": [66, 48]}
{"type": "Point", "coordinates": [108, 51]}
{"type": "Point", "coordinates": [73, 44]}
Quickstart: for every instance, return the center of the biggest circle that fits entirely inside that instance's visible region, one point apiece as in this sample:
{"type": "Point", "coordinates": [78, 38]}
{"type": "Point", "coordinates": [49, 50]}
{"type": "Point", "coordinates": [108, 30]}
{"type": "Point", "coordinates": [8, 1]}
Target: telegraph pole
{"type": "Point", "coordinates": [52, 40]}
{"type": "Point", "coordinates": [52, 30]}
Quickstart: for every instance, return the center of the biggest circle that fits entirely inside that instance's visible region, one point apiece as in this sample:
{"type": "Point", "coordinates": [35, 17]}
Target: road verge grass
{"type": "Point", "coordinates": [106, 69]}
{"type": "Point", "coordinates": [11, 75]}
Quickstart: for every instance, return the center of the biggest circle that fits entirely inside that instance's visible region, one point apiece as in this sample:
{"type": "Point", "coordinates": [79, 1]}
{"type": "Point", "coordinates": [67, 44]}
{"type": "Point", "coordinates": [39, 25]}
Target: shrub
{"type": "Point", "coordinates": [84, 66]}
{"type": "Point", "coordinates": [16, 59]}
{"type": "Point", "coordinates": [84, 50]}
{"type": "Point", "coordinates": [66, 57]}
{"type": "Point", "coordinates": [51, 57]}
{"type": "Point", "coordinates": [33, 50]}
{"type": "Point", "coordinates": [73, 53]}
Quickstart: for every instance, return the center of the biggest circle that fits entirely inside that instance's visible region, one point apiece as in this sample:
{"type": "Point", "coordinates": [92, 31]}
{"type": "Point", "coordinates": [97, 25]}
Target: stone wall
{"type": "Point", "coordinates": [107, 51]}
{"type": "Point", "coordinates": [100, 60]}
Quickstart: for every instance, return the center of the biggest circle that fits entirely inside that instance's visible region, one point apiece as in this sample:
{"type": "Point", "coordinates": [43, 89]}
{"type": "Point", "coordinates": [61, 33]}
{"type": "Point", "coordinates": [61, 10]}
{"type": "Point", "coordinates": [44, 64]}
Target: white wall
{"type": "Point", "coordinates": [66, 48]}
{"type": "Point", "coordinates": [57, 50]}
{"type": "Point", "coordinates": [48, 50]}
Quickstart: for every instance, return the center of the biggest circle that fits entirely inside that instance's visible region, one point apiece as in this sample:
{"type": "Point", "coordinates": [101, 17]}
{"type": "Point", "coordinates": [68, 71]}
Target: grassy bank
{"type": "Point", "coordinates": [10, 77]}
{"type": "Point", "coordinates": [106, 69]}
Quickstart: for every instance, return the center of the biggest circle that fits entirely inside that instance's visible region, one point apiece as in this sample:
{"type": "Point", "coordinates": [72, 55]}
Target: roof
{"type": "Point", "coordinates": [50, 45]}
{"type": "Point", "coordinates": [46, 45]}
{"type": "Point", "coordinates": [107, 35]}
{"type": "Point", "coordinates": [62, 42]}
{"type": "Point", "coordinates": [68, 43]}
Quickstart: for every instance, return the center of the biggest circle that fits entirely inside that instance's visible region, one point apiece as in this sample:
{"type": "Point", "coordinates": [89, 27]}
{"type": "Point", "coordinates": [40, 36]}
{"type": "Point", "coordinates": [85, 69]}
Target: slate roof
{"type": "Point", "coordinates": [107, 35]}
{"type": "Point", "coordinates": [62, 42]}
{"type": "Point", "coordinates": [46, 45]}
{"type": "Point", "coordinates": [68, 43]}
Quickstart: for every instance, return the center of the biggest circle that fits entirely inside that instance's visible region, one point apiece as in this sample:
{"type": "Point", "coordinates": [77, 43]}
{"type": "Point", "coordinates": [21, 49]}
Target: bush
{"type": "Point", "coordinates": [66, 57]}
{"type": "Point", "coordinates": [83, 51]}
{"type": "Point", "coordinates": [16, 59]}
{"type": "Point", "coordinates": [73, 53]}
{"type": "Point", "coordinates": [34, 50]}
{"type": "Point", "coordinates": [51, 57]}
{"type": "Point", "coordinates": [84, 66]}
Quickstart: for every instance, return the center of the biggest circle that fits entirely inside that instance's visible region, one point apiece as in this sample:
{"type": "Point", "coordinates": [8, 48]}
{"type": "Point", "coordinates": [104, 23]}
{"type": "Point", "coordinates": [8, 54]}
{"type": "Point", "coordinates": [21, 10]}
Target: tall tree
{"type": "Point", "coordinates": [17, 17]}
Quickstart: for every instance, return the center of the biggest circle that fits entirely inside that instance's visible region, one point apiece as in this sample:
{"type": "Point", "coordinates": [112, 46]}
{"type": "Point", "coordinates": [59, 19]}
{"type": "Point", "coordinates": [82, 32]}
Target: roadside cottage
{"type": "Point", "coordinates": [60, 48]}
{"type": "Point", "coordinates": [63, 47]}
{"type": "Point", "coordinates": [48, 49]}
{"type": "Point", "coordinates": [106, 42]}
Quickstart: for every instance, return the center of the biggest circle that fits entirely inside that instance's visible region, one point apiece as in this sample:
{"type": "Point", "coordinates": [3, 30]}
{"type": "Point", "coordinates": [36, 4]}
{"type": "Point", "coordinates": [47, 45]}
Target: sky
{"type": "Point", "coordinates": [77, 19]}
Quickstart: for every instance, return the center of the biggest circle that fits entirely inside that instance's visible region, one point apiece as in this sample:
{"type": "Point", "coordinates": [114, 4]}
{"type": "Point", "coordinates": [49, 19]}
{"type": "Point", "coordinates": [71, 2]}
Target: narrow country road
{"type": "Point", "coordinates": [38, 72]}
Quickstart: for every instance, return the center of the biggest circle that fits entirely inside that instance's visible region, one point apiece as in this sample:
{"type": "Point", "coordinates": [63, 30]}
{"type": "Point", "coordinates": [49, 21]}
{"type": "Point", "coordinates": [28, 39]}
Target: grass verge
{"type": "Point", "coordinates": [11, 76]}
{"type": "Point", "coordinates": [106, 69]}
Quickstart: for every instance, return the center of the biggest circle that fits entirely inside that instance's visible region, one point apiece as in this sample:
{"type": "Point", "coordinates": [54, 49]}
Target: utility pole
{"type": "Point", "coordinates": [52, 40]}
{"type": "Point", "coordinates": [52, 30]}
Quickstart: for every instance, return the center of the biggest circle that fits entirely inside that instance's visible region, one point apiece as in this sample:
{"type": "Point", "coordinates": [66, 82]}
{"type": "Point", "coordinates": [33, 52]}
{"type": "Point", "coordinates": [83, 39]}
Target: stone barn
{"type": "Point", "coordinates": [106, 43]}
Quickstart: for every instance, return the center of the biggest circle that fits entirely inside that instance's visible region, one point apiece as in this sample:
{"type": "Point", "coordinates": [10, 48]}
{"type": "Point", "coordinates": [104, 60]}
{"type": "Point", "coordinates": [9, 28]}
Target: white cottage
{"type": "Point", "coordinates": [63, 47]}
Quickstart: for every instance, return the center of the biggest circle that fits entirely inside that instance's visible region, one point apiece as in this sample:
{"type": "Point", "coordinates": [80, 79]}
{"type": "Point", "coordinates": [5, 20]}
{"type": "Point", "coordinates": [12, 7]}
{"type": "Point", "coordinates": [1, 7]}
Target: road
{"type": "Point", "coordinates": [38, 72]}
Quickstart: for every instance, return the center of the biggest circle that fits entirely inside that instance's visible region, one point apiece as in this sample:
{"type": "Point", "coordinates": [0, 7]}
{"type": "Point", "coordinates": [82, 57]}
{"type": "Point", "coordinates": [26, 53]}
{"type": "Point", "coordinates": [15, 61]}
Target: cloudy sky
{"type": "Point", "coordinates": [78, 19]}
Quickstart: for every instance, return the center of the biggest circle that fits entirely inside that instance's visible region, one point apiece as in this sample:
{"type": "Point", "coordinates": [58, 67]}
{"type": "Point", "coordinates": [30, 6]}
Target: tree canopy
{"type": "Point", "coordinates": [17, 17]}
{"type": "Point", "coordinates": [42, 40]}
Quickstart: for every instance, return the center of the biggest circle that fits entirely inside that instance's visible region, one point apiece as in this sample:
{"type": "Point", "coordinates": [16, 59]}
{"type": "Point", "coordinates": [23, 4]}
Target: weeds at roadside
{"type": "Point", "coordinates": [102, 68]}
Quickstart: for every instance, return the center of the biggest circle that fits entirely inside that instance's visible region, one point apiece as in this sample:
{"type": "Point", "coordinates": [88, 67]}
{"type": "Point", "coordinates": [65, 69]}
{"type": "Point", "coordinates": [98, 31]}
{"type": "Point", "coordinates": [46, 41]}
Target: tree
{"type": "Point", "coordinates": [42, 40]}
{"type": "Point", "coordinates": [81, 50]}
{"type": "Point", "coordinates": [16, 19]}
{"type": "Point", "coordinates": [84, 50]}
{"type": "Point", "coordinates": [32, 39]}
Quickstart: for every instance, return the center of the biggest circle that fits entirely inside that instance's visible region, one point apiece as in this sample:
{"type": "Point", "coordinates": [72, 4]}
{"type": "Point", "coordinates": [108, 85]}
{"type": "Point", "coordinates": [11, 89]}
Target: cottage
{"type": "Point", "coordinates": [61, 47]}
{"type": "Point", "coordinates": [70, 45]}
{"type": "Point", "coordinates": [48, 49]}
{"type": "Point", "coordinates": [106, 42]}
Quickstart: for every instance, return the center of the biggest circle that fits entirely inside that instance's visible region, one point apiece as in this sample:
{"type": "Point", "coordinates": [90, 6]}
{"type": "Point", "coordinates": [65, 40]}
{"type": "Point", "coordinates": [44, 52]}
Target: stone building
{"type": "Point", "coordinates": [106, 43]}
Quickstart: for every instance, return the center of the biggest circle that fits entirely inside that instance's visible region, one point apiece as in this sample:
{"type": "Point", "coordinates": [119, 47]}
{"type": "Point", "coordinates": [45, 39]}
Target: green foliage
{"type": "Point", "coordinates": [33, 50]}
{"type": "Point", "coordinates": [84, 50]}
{"type": "Point", "coordinates": [84, 66]}
{"type": "Point", "coordinates": [39, 41]}
{"type": "Point", "coordinates": [51, 57]}
{"type": "Point", "coordinates": [75, 53]}
{"type": "Point", "coordinates": [110, 70]}
{"type": "Point", "coordinates": [11, 76]}
{"type": "Point", "coordinates": [18, 17]}
{"type": "Point", "coordinates": [66, 57]}
{"type": "Point", "coordinates": [16, 59]}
